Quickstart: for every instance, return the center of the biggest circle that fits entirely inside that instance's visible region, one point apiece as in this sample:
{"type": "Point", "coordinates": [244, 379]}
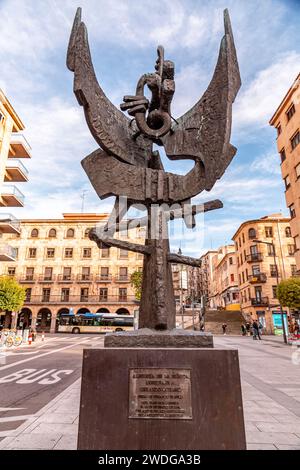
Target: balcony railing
{"type": "Point", "coordinates": [11, 196]}
{"type": "Point", "coordinates": [254, 257]}
{"type": "Point", "coordinates": [7, 253]}
{"type": "Point", "coordinates": [65, 278]}
{"type": "Point", "coordinates": [9, 223]}
{"type": "Point", "coordinates": [79, 299]}
{"type": "Point", "coordinates": [16, 171]}
{"type": "Point", "coordinates": [85, 277]}
{"type": "Point", "coordinates": [27, 278]}
{"type": "Point", "coordinates": [122, 278]}
{"type": "Point", "coordinates": [260, 301]}
{"type": "Point", "coordinates": [47, 278]}
{"type": "Point", "coordinates": [257, 278]}
{"type": "Point", "coordinates": [19, 146]}
{"type": "Point", "coordinates": [103, 278]}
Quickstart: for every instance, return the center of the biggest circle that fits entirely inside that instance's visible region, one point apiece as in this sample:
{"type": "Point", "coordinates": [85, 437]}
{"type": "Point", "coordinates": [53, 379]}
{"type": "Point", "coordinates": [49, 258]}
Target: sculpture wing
{"type": "Point", "coordinates": [109, 126]}
{"type": "Point", "coordinates": [203, 133]}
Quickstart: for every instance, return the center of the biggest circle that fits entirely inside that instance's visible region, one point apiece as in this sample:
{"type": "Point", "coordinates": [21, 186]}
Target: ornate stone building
{"type": "Point", "coordinates": [259, 263]}
{"type": "Point", "coordinates": [286, 120]}
{"type": "Point", "coordinates": [13, 148]}
{"type": "Point", "coordinates": [61, 268]}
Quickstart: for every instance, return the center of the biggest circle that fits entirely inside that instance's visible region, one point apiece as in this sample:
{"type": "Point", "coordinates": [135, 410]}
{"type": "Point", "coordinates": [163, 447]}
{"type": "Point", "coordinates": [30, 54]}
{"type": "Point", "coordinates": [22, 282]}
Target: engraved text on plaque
{"type": "Point", "coordinates": [157, 393]}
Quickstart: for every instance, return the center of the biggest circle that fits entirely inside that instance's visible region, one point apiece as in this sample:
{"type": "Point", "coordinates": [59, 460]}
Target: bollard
{"type": "Point", "coordinates": [30, 338]}
{"type": "Point", "coordinates": [43, 336]}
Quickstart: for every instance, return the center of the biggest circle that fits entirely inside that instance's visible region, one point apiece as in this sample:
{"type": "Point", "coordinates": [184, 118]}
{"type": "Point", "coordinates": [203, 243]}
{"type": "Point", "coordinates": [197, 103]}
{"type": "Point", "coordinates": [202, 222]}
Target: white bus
{"type": "Point", "coordinates": [94, 323]}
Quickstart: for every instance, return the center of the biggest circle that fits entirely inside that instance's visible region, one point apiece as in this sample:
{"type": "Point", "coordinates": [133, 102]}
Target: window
{"type": "Point", "coordinates": [123, 254]}
{"type": "Point", "coordinates": [251, 233]}
{"type": "Point", "coordinates": [86, 273]}
{"type": "Point", "coordinates": [231, 277]}
{"type": "Point", "coordinates": [50, 252]}
{"type": "Point", "coordinates": [104, 251]}
{"type": "Point", "coordinates": [52, 233]}
{"type": "Point", "coordinates": [288, 232]}
{"type": "Point", "coordinates": [32, 252]}
{"type": "Point", "coordinates": [278, 128]}
{"type": "Point", "coordinates": [271, 250]}
{"type": "Point", "coordinates": [16, 253]}
{"type": "Point", "coordinates": [274, 293]}
{"type": "Point", "coordinates": [297, 169]}
{"type": "Point", "coordinates": [139, 256]}
{"type": "Point", "coordinates": [243, 238]}
{"type": "Point", "coordinates": [291, 250]}
{"type": "Point", "coordinates": [84, 294]}
{"type": "Point", "coordinates": [293, 270]}
{"type": "Point", "coordinates": [282, 155]}
{"type": "Point", "coordinates": [273, 270]}
{"type": "Point", "coordinates": [87, 252]}
{"type": "Point", "coordinates": [258, 293]}
{"type": "Point", "coordinates": [123, 274]}
{"type": "Point", "coordinates": [245, 257]}
{"type": "Point", "coordinates": [104, 273]}
{"type": "Point", "coordinates": [11, 271]}
{"type": "Point", "coordinates": [34, 233]}
{"type": "Point", "coordinates": [230, 260]}
{"type": "Point", "coordinates": [290, 112]}
{"type": "Point", "coordinates": [103, 294]}
{"type": "Point", "coordinates": [70, 233]}
{"type": "Point", "coordinates": [68, 252]}
{"type": "Point", "coordinates": [28, 294]}
{"type": "Point", "coordinates": [255, 270]}
{"type": "Point", "coordinates": [243, 277]}
{"type": "Point", "coordinates": [287, 182]}
{"type": "Point", "coordinates": [295, 140]}
{"type": "Point", "coordinates": [48, 274]}
{"type": "Point", "coordinates": [292, 211]}
{"type": "Point", "coordinates": [1, 118]}
{"type": "Point", "coordinates": [29, 274]}
{"type": "Point", "coordinates": [65, 295]}
{"type": "Point", "coordinates": [67, 274]}
{"type": "Point", "coordinates": [123, 294]}
{"type": "Point", "coordinates": [46, 295]}
{"type": "Point", "coordinates": [86, 232]}
{"type": "Point", "coordinates": [268, 232]}
{"type": "Point", "coordinates": [240, 243]}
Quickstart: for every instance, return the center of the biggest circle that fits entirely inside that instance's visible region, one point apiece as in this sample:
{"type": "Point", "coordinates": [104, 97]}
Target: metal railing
{"type": "Point", "coordinates": [257, 278]}
{"type": "Point", "coordinates": [103, 278]}
{"type": "Point", "coordinates": [260, 301]}
{"type": "Point", "coordinates": [18, 138]}
{"type": "Point", "coordinates": [9, 219]}
{"type": "Point", "coordinates": [121, 278]}
{"type": "Point", "coordinates": [75, 299]}
{"type": "Point", "coordinates": [16, 163]}
{"type": "Point", "coordinates": [11, 190]}
{"type": "Point", "coordinates": [254, 257]}
{"type": "Point", "coordinates": [7, 251]}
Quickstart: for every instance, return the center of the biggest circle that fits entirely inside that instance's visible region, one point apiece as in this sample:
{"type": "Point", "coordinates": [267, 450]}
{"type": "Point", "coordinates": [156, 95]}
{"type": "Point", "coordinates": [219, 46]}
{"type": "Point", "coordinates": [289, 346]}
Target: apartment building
{"type": "Point", "coordinates": [224, 289]}
{"type": "Point", "coordinates": [265, 252]}
{"type": "Point", "coordinates": [286, 120]}
{"type": "Point", "coordinates": [61, 268]}
{"type": "Point", "coordinates": [206, 276]}
{"type": "Point", "coordinates": [13, 149]}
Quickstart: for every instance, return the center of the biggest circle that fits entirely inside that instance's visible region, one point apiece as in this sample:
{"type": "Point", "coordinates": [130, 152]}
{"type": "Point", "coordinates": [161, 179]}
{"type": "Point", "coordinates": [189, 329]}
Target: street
{"type": "Point", "coordinates": [40, 390]}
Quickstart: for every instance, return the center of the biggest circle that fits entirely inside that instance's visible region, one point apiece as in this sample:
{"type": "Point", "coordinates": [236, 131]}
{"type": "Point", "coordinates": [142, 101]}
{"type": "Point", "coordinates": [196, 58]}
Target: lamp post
{"type": "Point", "coordinates": [181, 292]}
{"type": "Point", "coordinates": [277, 281]}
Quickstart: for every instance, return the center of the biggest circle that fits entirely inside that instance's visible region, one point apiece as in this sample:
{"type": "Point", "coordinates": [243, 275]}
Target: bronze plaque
{"type": "Point", "coordinates": [156, 393]}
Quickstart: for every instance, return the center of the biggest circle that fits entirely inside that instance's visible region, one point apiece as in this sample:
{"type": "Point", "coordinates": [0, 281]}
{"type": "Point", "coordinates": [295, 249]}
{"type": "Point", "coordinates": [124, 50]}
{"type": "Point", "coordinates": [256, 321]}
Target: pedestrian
{"type": "Point", "coordinates": [255, 330]}
{"type": "Point", "coordinates": [243, 328]}
{"type": "Point", "coordinates": [297, 328]}
{"type": "Point", "coordinates": [224, 328]}
{"type": "Point", "coordinates": [248, 326]}
{"type": "Point", "coordinates": [260, 329]}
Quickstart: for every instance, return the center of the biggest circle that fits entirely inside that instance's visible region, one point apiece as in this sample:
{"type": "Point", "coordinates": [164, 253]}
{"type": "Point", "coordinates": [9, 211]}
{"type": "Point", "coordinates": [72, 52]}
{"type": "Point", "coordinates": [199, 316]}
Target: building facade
{"type": "Point", "coordinates": [13, 148]}
{"type": "Point", "coordinates": [61, 268]}
{"type": "Point", "coordinates": [206, 276]}
{"type": "Point", "coordinates": [286, 120]}
{"type": "Point", "coordinates": [265, 252]}
{"type": "Point", "coordinates": [224, 288]}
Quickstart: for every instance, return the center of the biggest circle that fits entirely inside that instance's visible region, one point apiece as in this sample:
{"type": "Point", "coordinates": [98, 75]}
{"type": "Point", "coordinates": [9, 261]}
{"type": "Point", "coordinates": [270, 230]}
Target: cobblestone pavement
{"type": "Point", "coordinates": [270, 374]}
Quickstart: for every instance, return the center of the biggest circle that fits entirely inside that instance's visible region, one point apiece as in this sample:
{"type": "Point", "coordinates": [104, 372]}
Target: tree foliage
{"type": "Point", "coordinates": [12, 295]}
{"type": "Point", "coordinates": [136, 280]}
{"type": "Point", "coordinates": [288, 292]}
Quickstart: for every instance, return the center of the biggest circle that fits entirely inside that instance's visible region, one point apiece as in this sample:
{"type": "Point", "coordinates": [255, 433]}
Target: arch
{"type": "Point", "coordinates": [52, 233]}
{"type": "Point", "coordinates": [34, 233]}
{"type": "Point", "coordinates": [122, 311]}
{"type": "Point", "coordinates": [103, 310]}
{"type": "Point", "coordinates": [83, 310]}
{"type": "Point", "coordinates": [288, 232]}
{"type": "Point", "coordinates": [70, 233]}
{"type": "Point", "coordinates": [61, 311]}
{"type": "Point", "coordinates": [24, 318]}
{"type": "Point", "coordinates": [43, 320]}
{"type": "Point", "coordinates": [251, 233]}
{"type": "Point", "coordinates": [86, 232]}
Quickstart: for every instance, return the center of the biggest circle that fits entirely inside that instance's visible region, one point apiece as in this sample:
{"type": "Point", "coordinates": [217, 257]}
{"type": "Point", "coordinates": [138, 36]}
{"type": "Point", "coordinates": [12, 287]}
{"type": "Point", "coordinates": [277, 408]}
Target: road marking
{"type": "Point", "coordinates": [11, 409]}
{"type": "Point", "coordinates": [28, 376]}
{"type": "Point", "coordinates": [15, 418]}
{"type": "Point", "coordinates": [7, 366]}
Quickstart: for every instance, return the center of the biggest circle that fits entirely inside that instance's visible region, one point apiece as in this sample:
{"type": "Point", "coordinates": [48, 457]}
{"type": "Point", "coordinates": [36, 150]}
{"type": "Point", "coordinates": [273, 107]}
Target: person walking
{"type": "Point", "coordinates": [260, 329]}
{"type": "Point", "coordinates": [248, 326]}
{"type": "Point", "coordinates": [224, 328]}
{"type": "Point", "coordinates": [243, 328]}
{"type": "Point", "coordinates": [255, 328]}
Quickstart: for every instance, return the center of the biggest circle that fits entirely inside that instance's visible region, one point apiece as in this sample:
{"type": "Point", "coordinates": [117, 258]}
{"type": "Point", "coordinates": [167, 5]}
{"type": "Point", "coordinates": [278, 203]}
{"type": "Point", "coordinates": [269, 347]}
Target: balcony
{"type": "Point", "coordinates": [46, 278]}
{"type": "Point", "coordinates": [96, 300]}
{"type": "Point", "coordinates": [7, 253]}
{"type": "Point", "coordinates": [65, 278]}
{"type": "Point", "coordinates": [254, 258]}
{"type": "Point", "coordinates": [103, 278]}
{"type": "Point", "coordinates": [122, 278]}
{"type": "Point", "coordinates": [19, 147]}
{"type": "Point", "coordinates": [85, 278]}
{"type": "Point", "coordinates": [15, 171]}
{"type": "Point", "coordinates": [29, 278]}
{"type": "Point", "coordinates": [260, 302]}
{"type": "Point", "coordinates": [257, 278]}
{"type": "Point", "coordinates": [11, 196]}
{"type": "Point", "coordinates": [9, 224]}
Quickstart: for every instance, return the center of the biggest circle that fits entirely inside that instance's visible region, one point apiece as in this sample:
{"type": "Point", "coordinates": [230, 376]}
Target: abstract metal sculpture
{"type": "Point", "coordinates": [126, 164]}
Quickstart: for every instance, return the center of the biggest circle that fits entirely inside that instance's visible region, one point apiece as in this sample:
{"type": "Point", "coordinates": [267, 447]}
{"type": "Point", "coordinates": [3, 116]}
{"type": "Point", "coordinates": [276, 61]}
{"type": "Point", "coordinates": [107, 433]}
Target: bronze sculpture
{"type": "Point", "coordinates": [126, 164]}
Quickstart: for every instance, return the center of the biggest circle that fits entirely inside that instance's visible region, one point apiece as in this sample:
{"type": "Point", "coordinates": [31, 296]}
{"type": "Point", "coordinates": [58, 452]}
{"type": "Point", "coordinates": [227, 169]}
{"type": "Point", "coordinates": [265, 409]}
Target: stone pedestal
{"type": "Point", "coordinates": [161, 399]}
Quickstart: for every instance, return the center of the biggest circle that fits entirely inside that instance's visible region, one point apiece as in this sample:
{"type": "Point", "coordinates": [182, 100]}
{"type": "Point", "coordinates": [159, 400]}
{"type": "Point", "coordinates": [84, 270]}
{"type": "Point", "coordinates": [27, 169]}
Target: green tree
{"type": "Point", "coordinates": [288, 292]}
{"type": "Point", "coordinates": [12, 295]}
{"type": "Point", "coordinates": [136, 280]}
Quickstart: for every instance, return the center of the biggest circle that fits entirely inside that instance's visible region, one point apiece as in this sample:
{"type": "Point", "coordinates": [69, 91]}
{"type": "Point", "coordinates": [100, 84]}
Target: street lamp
{"type": "Point", "coordinates": [277, 281]}
{"type": "Point", "coordinates": [181, 292]}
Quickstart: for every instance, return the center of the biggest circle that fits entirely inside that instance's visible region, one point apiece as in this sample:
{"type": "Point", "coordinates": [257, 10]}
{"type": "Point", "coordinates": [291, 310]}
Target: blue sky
{"type": "Point", "coordinates": [123, 37]}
